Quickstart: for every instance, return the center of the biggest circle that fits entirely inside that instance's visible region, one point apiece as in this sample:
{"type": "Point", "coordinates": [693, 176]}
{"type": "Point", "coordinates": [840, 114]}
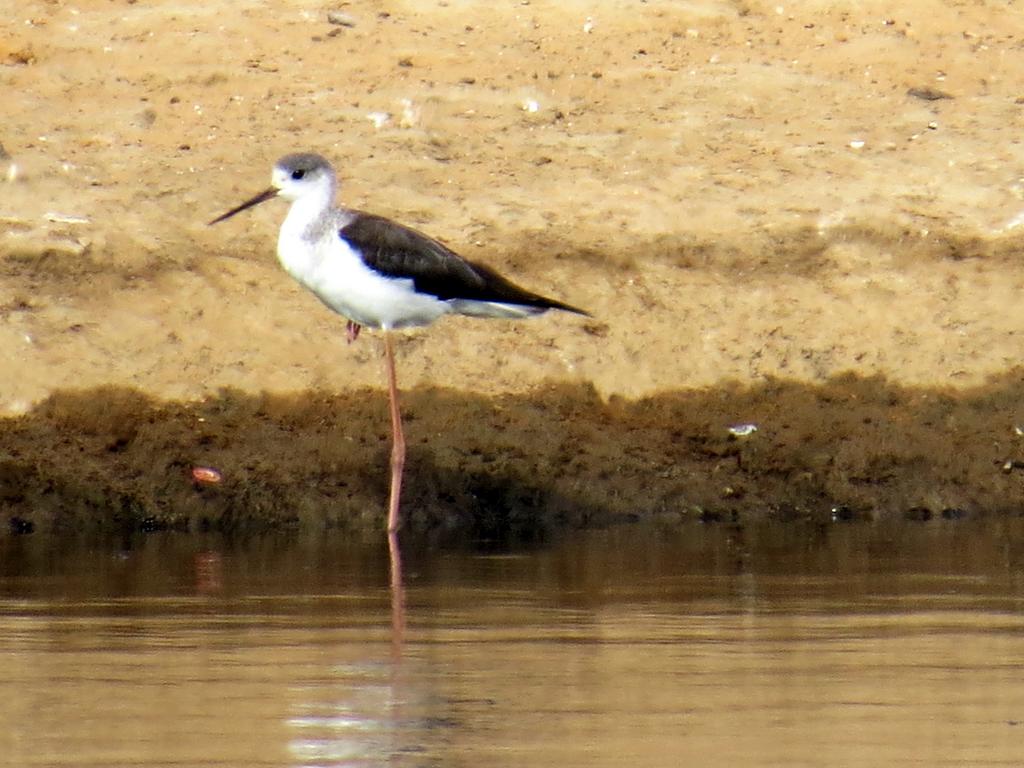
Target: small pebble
{"type": "Point", "coordinates": [928, 94]}
{"type": "Point", "coordinates": [340, 18]}
{"type": "Point", "coordinates": [410, 114]}
{"type": "Point", "coordinates": [65, 218]}
{"type": "Point", "coordinates": [206, 475]}
{"type": "Point", "coordinates": [743, 430]}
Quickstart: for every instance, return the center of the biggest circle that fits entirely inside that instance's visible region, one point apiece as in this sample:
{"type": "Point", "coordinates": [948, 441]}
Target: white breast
{"type": "Point", "coordinates": [326, 265]}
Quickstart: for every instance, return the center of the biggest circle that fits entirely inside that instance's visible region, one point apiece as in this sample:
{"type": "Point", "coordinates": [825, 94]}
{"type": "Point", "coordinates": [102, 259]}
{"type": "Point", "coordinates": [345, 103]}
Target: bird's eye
{"type": "Point", "coordinates": [298, 174]}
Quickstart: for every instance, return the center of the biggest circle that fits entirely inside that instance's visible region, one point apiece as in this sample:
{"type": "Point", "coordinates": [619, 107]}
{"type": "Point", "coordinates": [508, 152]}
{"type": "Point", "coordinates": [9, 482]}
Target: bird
{"type": "Point", "coordinates": [380, 274]}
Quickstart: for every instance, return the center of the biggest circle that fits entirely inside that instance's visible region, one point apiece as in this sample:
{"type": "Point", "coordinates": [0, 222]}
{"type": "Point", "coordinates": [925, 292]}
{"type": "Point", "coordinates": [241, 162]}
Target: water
{"type": "Point", "coordinates": [795, 645]}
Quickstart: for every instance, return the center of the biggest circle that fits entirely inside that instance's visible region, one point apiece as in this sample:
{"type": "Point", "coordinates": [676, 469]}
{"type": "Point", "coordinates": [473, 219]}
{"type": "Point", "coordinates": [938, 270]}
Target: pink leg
{"type": "Point", "coordinates": [397, 437]}
{"type": "Point", "coordinates": [352, 329]}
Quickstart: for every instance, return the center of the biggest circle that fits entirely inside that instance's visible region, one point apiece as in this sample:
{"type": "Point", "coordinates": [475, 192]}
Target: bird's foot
{"type": "Point", "coordinates": [352, 329]}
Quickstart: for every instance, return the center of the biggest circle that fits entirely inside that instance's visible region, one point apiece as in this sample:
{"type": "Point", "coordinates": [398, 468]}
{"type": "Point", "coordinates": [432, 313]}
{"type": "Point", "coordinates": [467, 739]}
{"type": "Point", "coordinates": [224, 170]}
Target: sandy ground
{"type": "Point", "coordinates": [803, 217]}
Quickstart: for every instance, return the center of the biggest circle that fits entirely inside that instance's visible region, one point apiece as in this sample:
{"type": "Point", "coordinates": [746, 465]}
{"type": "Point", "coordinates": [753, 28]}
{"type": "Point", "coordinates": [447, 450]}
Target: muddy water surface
{"type": "Point", "coordinates": [855, 644]}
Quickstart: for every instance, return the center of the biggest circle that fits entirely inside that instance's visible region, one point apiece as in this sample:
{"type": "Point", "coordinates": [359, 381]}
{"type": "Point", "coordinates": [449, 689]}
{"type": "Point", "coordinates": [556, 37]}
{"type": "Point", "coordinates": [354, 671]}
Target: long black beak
{"type": "Point", "coordinates": [264, 195]}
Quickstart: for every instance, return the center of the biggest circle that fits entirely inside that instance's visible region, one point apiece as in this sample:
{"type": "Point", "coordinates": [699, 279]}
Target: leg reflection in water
{"type": "Point", "coordinates": [397, 596]}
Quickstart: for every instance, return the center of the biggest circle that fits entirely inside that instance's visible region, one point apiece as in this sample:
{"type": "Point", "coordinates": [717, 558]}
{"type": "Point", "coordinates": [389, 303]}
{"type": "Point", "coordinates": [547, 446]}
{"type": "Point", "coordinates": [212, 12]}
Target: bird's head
{"type": "Point", "coordinates": [294, 176]}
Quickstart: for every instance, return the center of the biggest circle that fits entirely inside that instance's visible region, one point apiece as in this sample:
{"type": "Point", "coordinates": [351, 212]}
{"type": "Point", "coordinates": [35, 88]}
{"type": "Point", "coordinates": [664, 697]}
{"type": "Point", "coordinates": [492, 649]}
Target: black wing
{"type": "Point", "coordinates": [398, 251]}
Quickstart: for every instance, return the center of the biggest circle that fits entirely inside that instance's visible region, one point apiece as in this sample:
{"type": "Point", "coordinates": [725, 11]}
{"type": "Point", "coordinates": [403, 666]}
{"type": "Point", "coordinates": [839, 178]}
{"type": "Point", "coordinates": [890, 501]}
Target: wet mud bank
{"type": "Point", "coordinates": [112, 459]}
